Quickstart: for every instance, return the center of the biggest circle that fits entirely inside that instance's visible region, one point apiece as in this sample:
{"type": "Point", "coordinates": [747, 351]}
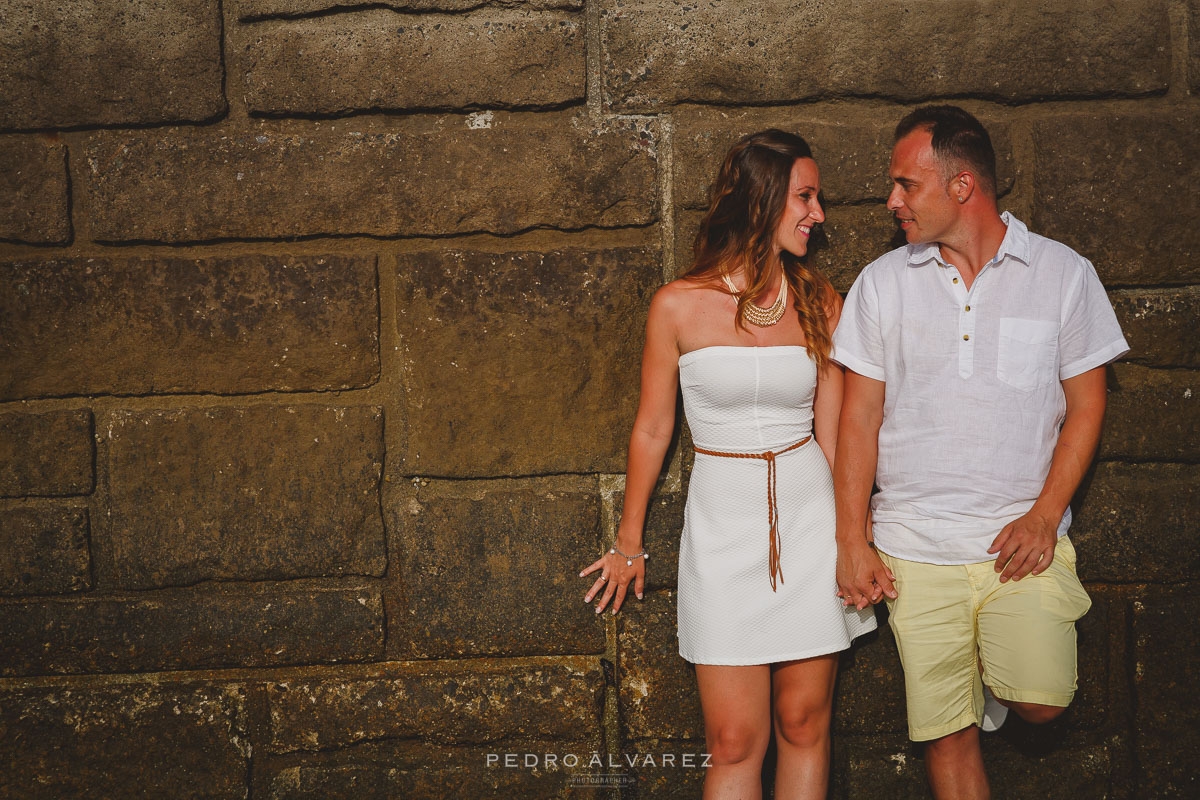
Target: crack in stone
{"type": "Point", "coordinates": [404, 10]}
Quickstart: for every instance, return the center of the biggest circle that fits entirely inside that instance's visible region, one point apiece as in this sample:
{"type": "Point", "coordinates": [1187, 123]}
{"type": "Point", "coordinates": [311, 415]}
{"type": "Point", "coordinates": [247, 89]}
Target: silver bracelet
{"type": "Point", "coordinates": [629, 559]}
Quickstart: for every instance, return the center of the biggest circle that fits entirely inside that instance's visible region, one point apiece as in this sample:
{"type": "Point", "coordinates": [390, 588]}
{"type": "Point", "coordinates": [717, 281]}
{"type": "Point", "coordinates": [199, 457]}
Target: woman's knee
{"type": "Point", "coordinates": [736, 743]}
{"type": "Point", "coordinates": [801, 725]}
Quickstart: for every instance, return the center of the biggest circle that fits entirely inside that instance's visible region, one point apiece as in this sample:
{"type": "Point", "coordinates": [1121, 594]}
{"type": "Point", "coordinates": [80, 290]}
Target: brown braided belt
{"type": "Point", "coordinates": [772, 504]}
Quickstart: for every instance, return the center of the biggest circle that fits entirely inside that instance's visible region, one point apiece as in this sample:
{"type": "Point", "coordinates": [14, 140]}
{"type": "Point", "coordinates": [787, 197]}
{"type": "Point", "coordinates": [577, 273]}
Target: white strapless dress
{"type": "Point", "coordinates": [753, 400]}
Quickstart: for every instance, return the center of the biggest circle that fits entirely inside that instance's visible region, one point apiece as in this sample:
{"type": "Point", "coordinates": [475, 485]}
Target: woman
{"type": "Point", "coordinates": [746, 333]}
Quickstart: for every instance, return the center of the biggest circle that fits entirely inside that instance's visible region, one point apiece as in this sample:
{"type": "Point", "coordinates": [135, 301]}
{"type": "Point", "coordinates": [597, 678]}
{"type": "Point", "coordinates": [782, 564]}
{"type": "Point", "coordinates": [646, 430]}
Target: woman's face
{"type": "Point", "coordinates": [802, 211]}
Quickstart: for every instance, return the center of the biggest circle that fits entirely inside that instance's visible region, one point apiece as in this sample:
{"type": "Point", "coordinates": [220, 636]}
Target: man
{"type": "Point", "coordinates": [974, 394]}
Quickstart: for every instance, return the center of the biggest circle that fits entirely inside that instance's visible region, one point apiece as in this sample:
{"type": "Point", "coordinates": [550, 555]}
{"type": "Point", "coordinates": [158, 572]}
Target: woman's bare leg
{"type": "Point", "coordinates": [737, 726]}
{"type": "Point", "coordinates": [803, 699]}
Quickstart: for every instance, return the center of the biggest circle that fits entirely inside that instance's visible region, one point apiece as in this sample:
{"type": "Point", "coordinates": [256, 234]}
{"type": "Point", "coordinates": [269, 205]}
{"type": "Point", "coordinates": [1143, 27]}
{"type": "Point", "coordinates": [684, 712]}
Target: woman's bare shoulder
{"type": "Point", "coordinates": [683, 301]}
{"type": "Point", "coordinates": [682, 294]}
{"type": "Point", "coordinates": [675, 296]}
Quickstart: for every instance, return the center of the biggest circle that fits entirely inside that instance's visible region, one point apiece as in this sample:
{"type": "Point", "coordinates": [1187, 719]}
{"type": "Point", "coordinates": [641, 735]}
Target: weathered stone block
{"type": "Point", "coordinates": [552, 701]}
{"type": "Point", "coordinates": [377, 59]}
{"type": "Point", "coordinates": [1047, 761]}
{"type": "Point", "coordinates": [390, 770]}
{"type": "Point", "coordinates": [1100, 650]}
{"type": "Point", "coordinates": [1167, 660]}
{"type": "Point", "coordinates": [109, 62]}
{"type": "Point", "coordinates": [492, 567]}
{"type": "Point", "coordinates": [1160, 325]}
{"type": "Point", "coordinates": [884, 766]}
{"type": "Point", "coordinates": [850, 238]}
{"type": "Point", "coordinates": [870, 687]}
{"type": "Point", "coordinates": [250, 323]}
{"type": "Point", "coordinates": [486, 172]}
{"type": "Point", "coordinates": [1136, 523]}
{"type": "Point", "coordinates": [1152, 414]}
{"type": "Point", "coordinates": [1081, 193]}
{"type": "Point", "coordinates": [659, 697]}
{"type": "Point", "coordinates": [687, 225]}
{"type": "Point", "coordinates": [217, 625]}
{"type": "Point", "coordinates": [660, 52]}
{"type": "Point", "coordinates": [660, 537]}
{"type": "Point", "coordinates": [242, 493]}
{"type": "Point", "coordinates": [252, 9]}
{"type": "Point", "coordinates": [48, 453]}
{"type": "Point", "coordinates": [852, 156]}
{"type": "Point", "coordinates": [1193, 38]}
{"type": "Point", "coordinates": [43, 550]}
{"type": "Point", "coordinates": [853, 153]}
{"type": "Point", "coordinates": [663, 769]}
{"type": "Point", "coordinates": [146, 740]}
{"type": "Point", "coordinates": [33, 190]}
{"type": "Point", "coordinates": [555, 338]}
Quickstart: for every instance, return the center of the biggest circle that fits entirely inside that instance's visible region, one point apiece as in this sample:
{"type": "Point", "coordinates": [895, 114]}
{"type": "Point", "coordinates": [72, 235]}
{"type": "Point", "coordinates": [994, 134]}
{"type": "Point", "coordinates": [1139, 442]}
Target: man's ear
{"type": "Point", "coordinates": [962, 186]}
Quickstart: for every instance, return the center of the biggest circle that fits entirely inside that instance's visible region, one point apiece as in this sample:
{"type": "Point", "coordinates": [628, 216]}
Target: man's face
{"type": "Point", "coordinates": [921, 199]}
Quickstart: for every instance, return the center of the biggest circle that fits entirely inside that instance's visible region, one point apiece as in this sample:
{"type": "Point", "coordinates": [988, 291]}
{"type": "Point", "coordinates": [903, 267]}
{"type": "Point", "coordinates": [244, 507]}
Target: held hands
{"type": "Point", "coordinates": [616, 572]}
{"type": "Point", "coordinates": [1025, 546]}
{"type": "Point", "coordinates": [862, 578]}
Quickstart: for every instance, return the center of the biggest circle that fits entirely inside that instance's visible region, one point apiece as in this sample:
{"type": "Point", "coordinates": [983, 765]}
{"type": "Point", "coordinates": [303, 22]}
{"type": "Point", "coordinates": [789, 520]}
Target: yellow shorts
{"type": "Point", "coordinates": [948, 616]}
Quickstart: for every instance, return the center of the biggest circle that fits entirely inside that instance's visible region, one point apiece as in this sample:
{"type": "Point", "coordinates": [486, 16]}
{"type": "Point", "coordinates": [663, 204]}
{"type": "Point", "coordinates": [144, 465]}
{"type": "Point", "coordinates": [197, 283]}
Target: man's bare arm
{"type": "Point", "coordinates": [1026, 545]}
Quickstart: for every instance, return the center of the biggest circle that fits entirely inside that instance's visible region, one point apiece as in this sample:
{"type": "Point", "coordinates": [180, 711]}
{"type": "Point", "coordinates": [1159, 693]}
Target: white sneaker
{"type": "Point", "coordinates": [994, 714]}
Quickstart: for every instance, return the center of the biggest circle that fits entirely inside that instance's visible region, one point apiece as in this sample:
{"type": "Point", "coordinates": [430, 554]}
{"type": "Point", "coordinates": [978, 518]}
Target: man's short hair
{"type": "Point", "coordinates": [959, 143]}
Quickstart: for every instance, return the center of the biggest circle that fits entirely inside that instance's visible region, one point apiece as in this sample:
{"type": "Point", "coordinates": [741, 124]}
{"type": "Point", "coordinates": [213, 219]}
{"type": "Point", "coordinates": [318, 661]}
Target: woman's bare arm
{"type": "Point", "coordinates": [652, 432]}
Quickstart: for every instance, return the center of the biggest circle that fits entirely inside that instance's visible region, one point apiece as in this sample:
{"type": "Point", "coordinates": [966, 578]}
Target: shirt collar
{"type": "Point", "coordinates": [1016, 240]}
{"type": "Point", "coordinates": [1015, 244]}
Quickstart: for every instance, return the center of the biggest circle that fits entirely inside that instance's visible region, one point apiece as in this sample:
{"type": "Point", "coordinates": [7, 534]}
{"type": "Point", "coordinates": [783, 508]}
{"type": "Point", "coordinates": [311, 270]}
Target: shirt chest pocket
{"type": "Point", "coordinates": [1028, 356]}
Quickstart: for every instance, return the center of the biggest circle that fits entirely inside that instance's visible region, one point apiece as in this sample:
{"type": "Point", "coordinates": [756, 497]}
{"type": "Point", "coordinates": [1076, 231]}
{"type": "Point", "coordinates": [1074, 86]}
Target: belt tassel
{"type": "Point", "coordinates": [774, 569]}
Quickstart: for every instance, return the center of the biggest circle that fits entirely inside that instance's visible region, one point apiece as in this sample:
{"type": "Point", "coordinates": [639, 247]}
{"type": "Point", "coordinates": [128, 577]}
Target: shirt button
{"type": "Point", "coordinates": [968, 308]}
{"type": "Point", "coordinates": [966, 337]}
{"type": "Point", "coordinates": [956, 280]}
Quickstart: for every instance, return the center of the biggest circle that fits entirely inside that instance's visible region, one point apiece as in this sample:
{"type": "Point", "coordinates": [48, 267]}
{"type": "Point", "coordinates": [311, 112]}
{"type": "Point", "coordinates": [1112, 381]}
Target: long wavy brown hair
{"type": "Point", "coordinates": [746, 204]}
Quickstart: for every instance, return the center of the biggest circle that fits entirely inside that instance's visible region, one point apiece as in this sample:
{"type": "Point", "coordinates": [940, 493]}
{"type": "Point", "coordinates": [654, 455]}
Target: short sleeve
{"type": "Point", "coordinates": [1090, 335]}
{"type": "Point", "coordinates": [858, 342]}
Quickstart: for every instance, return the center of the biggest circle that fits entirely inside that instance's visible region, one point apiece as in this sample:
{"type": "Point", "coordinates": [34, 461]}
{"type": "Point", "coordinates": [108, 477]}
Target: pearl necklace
{"type": "Point", "coordinates": [757, 315]}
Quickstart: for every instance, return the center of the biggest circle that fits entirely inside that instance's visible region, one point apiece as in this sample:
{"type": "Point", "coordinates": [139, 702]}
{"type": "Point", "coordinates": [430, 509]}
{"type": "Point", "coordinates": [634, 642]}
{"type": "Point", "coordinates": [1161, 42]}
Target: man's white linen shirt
{"type": "Point", "coordinates": [973, 402]}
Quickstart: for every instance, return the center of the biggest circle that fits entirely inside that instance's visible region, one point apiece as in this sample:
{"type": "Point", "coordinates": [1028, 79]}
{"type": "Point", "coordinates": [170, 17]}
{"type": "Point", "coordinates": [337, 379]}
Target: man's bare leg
{"type": "Point", "coordinates": [954, 764]}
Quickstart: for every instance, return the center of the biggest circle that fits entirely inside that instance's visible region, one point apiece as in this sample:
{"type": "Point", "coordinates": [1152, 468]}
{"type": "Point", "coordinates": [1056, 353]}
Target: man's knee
{"type": "Point", "coordinates": [1036, 713]}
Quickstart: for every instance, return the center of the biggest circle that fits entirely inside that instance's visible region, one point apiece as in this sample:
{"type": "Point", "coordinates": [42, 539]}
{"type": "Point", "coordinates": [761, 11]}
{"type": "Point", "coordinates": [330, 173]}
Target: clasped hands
{"type": "Point", "coordinates": [862, 578]}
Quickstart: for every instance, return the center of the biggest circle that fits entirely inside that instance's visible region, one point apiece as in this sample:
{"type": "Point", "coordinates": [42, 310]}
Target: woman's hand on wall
{"type": "Point", "coordinates": [616, 573]}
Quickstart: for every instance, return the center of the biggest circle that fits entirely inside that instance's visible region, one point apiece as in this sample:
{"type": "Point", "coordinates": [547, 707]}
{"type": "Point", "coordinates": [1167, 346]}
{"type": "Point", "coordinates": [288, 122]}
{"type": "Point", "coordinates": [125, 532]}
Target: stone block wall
{"type": "Point", "coordinates": [319, 336]}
